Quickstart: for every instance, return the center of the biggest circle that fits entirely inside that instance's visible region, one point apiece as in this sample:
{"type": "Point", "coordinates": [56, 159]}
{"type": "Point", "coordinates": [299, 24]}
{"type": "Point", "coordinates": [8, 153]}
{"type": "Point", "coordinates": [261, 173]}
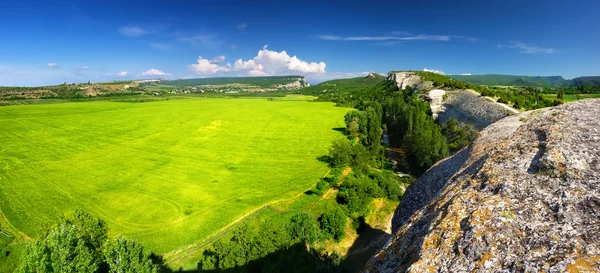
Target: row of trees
{"type": "Point", "coordinates": [81, 244]}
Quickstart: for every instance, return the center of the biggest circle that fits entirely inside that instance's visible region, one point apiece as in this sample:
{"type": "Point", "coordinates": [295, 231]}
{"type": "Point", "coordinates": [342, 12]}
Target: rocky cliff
{"type": "Point", "coordinates": [406, 78]}
{"type": "Point", "coordinates": [466, 106]}
{"type": "Point", "coordinates": [524, 197]}
{"type": "Point", "coordinates": [296, 84]}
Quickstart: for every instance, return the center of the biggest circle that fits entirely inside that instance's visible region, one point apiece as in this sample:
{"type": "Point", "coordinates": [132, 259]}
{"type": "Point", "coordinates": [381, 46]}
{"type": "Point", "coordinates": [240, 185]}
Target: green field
{"type": "Point", "coordinates": [572, 98]}
{"type": "Point", "coordinates": [166, 173]}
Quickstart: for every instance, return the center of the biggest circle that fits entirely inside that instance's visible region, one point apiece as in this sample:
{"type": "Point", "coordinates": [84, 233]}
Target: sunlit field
{"type": "Point", "coordinates": [167, 173]}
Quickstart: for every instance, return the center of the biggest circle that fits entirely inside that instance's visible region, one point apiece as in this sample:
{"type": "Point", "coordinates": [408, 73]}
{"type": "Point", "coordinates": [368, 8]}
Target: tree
{"type": "Point", "coordinates": [333, 223]}
{"type": "Point", "coordinates": [126, 256]}
{"type": "Point", "coordinates": [303, 227]}
{"type": "Point", "coordinates": [340, 153]}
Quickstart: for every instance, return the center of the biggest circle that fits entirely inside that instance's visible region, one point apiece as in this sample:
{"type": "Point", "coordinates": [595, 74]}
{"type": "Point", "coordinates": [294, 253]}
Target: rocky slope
{"type": "Point", "coordinates": [524, 197]}
{"type": "Point", "coordinates": [466, 106]}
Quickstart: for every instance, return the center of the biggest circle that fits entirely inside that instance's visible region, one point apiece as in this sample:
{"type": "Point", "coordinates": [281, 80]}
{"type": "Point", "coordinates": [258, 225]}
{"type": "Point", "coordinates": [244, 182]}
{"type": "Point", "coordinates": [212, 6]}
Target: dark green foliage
{"type": "Point", "coordinates": [458, 135]}
{"type": "Point", "coordinates": [496, 79]}
{"type": "Point", "coordinates": [79, 244]}
{"type": "Point", "coordinates": [356, 124]}
{"type": "Point", "coordinates": [333, 223]}
{"type": "Point", "coordinates": [303, 227]}
{"type": "Point", "coordinates": [340, 153]}
{"type": "Point", "coordinates": [126, 256]}
{"type": "Point", "coordinates": [359, 190]}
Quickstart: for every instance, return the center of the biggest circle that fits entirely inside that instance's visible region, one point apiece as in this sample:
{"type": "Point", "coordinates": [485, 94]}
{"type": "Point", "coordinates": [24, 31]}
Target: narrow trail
{"type": "Point", "coordinates": [333, 190]}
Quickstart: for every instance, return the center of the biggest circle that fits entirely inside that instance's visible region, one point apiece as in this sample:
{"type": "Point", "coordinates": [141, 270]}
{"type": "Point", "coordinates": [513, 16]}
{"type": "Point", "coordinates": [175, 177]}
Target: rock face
{"type": "Point", "coordinates": [524, 197]}
{"type": "Point", "coordinates": [296, 84]}
{"type": "Point", "coordinates": [404, 79]}
{"type": "Point", "coordinates": [467, 107]}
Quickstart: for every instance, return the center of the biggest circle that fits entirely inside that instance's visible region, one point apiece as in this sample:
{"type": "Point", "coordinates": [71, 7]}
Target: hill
{"type": "Point", "coordinates": [498, 79]}
{"type": "Point", "coordinates": [344, 86]}
{"type": "Point", "coordinates": [592, 81]}
{"type": "Point", "coordinates": [271, 82]}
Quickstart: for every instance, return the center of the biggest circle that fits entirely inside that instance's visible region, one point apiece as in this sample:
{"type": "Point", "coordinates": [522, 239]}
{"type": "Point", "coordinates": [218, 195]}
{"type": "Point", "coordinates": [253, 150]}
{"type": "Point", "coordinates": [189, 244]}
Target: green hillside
{"type": "Point", "coordinates": [498, 79]}
{"type": "Point", "coordinates": [264, 82]}
{"type": "Point", "coordinates": [344, 85]}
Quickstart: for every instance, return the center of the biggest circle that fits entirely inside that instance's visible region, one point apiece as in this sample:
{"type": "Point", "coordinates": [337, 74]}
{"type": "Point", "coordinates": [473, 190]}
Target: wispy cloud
{"type": "Point", "coordinates": [83, 67]}
{"type": "Point", "coordinates": [530, 49]}
{"type": "Point", "coordinates": [397, 36]}
{"type": "Point", "coordinates": [204, 40]}
{"type": "Point", "coordinates": [242, 26]}
{"type": "Point", "coordinates": [161, 46]}
{"type": "Point", "coordinates": [132, 31]}
{"type": "Point", "coordinates": [122, 74]}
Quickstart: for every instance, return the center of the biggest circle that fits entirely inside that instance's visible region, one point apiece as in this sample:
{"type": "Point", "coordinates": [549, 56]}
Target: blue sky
{"type": "Point", "coordinates": [49, 42]}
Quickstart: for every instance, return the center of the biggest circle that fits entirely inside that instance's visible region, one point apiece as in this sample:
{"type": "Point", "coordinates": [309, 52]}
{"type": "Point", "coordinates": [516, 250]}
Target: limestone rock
{"type": "Point", "coordinates": [404, 79]}
{"type": "Point", "coordinates": [469, 107]}
{"type": "Point", "coordinates": [524, 197]}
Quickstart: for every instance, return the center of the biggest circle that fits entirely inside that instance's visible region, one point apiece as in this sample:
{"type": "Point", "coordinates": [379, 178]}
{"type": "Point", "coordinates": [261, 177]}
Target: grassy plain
{"type": "Point", "coordinates": [572, 98]}
{"type": "Point", "coordinates": [166, 173]}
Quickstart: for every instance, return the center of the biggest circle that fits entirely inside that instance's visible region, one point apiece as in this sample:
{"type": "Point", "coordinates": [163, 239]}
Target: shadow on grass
{"type": "Point", "coordinates": [341, 130]}
{"type": "Point", "coordinates": [298, 258]}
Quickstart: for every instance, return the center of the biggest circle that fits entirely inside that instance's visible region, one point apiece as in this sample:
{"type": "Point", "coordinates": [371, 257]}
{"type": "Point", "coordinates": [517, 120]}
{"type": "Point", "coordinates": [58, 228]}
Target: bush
{"type": "Point", "coordinates": [333, 223]}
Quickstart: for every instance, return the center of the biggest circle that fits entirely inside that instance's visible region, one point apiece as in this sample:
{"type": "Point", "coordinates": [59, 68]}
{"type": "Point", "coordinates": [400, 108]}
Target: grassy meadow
{"type": "Point", "coordinates": [573, 97]}
{"type": "Point", "coordinates": [166, 173]}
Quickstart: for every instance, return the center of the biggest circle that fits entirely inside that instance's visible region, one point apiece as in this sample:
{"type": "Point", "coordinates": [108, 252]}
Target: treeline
{"type": "Point", "coordinates": [81, 244]}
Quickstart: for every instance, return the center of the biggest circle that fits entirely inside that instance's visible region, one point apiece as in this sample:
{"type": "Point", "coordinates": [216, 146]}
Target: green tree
{"type": "Point", "coordinates": [127, 256]}
{"type": "Point", "coordinates": [303, 227]}
{"type": "Point", "coordinates": [340, 153]}
{"type": "Point", "coordinates": [333, 223]}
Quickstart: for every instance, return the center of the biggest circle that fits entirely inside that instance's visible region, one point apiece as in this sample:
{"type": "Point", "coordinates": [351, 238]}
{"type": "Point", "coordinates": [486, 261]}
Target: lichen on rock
{"type": "Point", "coordinates": [524, 197]}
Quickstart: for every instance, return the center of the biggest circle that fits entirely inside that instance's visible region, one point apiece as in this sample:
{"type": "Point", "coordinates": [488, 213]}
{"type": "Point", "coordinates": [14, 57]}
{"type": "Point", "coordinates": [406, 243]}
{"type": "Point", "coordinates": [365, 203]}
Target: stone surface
{"type": "Point", "coordinates": [524, 197]}
{"type": "Point", "coordinates": [404, 79]}
{"type": "Point", "coordinates": [469, 107]}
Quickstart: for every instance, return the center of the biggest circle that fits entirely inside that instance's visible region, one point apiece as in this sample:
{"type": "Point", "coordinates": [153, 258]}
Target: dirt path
{"type": "Point", "coordinates": [333, 190]}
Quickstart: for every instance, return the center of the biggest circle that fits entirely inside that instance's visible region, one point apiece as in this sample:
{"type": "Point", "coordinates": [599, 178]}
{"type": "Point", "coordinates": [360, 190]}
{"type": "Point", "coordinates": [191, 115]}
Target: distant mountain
{"type": "Point", "coordinates": [593, 81]}
{"type": "Point", "coordinates": [498, 79]}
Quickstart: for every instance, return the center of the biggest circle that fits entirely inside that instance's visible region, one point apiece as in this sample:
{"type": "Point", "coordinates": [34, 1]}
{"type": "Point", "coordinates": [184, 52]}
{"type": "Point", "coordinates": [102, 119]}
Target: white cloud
{"type": "Point", "coordinates": [434, 71]}
{"type": "Point", "coordinates": [53, 65]}
{"type": "Point", "coordinates": [266, 62]}
{"type": "Point", "coordinates": [132, 31]}
{"type": "Point", "coordinates": [205, 66]}
{"type": "Point", "coordinates": [466, 74]}
{"type": "Point", "coordinates": [531, 49]}
{"type": "Point", "coordinates": [122, 74]}
{"type": "Point", "coordinates": [154, 72]}
{"type": "Point", "coordinates": [218, 59]}
{"type": "Point", "coordinates": [242, 26]}
{"type": "Point", "coordinates": [84, 67]}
